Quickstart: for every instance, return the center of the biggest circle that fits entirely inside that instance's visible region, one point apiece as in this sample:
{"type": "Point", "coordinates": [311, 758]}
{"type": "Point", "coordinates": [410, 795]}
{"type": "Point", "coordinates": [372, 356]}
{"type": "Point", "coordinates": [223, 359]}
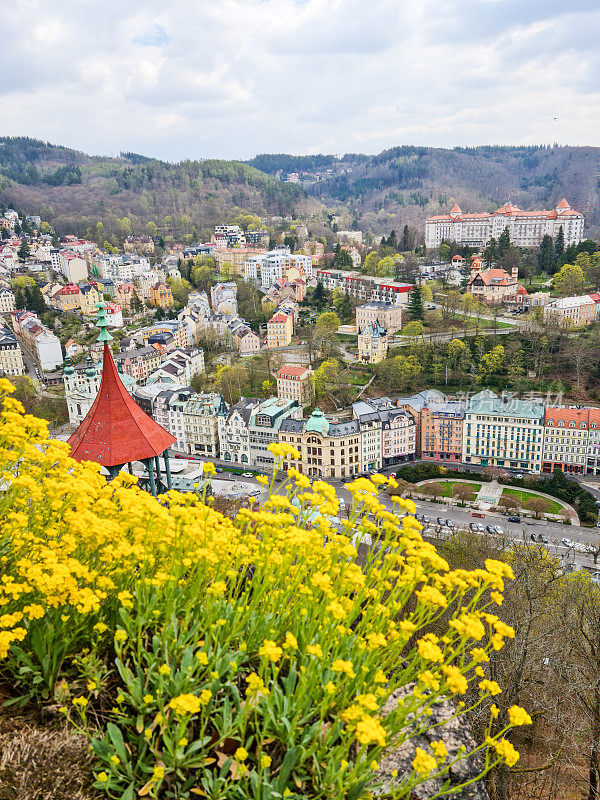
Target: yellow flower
{"type": "Point", "coordinates": [115, 759]}
{"type": "Point", "coordinates": [339, 665]}
{"type": "Point", "coordinates": [432, 597]}
{"type": "Point", "coordinates": [120, 635]}
{"type": "Point", "coordinates": [182, 742]}
{"type": "Point", "coordinates": [80, 701]}
{"type": "Point", "coordinates": [164, 669]}
{"type": "Point", "coordinates": [290, 642]}
{"type": "Point", "coordinates": [314, 650]}
{"type": "Point", "coordinates": [439, 750]}
{"type": "Point", "coordinates": [189, 703]}
{"type": "Point", "coordinates": [423, 763]}
{"type": "Point", "coordinates": [34, 611]}
{"type": "Point", "coordinates": [255, 685]}
{"type": "Point", "coordinates": [370, 731]}
{"type": "Point", "coordinates": [430, 651]}
{"type": "Point", "coordinates": [507, 752]}
{"type": "Point", "coordinates": [518, 716]}
{"type": "Point", "coordinates": [494, 711]}
{"type": "Point", "coordinates": [91, 686]}
{"type": "Point", "coordinates": [241, 754]}
{"type": "Point", "coordinates": [202, 657]}
{"type": "Point", "coordinates": [101, 627]}
{"type": "Point", "coordinates": [270, 650]}
{"type": "Point", "coordinates": [147, 698]}
{"type": "Point", "coordinates": [491, 687]}
{"type": "Point", "coordinates": [330, 687]}
{"type": "Point", "coordinates": [262, 479]}
{"type": "Point", "coordinates": [158, 773]}
{"type": "Point", "coordinates": [457, 683]}
{"type": "Point", "coordinates": [380, 677]}
{"type": "Point", "coordinates": [102, 777]}
{"type": "Point", "coordinates": [208, 468]}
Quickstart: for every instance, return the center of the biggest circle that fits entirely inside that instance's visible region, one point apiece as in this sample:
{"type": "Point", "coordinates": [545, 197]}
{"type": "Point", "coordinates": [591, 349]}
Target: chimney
{"type": "Point", "coordinates": [515, 273]}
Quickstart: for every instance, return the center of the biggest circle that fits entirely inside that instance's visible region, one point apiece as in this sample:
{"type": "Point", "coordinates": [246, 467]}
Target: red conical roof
{"type": "Point", "coordinates": [563, 203]}
{"type": "Point", "coordinates": [456, 209]}
{"type": "Point", "coordinates": [115, 429]}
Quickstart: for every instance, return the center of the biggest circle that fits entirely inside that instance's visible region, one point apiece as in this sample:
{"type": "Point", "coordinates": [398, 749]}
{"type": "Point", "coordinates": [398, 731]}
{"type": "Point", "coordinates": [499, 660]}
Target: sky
{"type": "Point", "coordinates": [233, 78]}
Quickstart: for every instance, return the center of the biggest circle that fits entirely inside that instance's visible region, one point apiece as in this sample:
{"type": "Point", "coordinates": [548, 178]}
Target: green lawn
{"type": "Point", "coordinates": [552, 506]}
{"type": "Point", "coordinates": [447, 487]}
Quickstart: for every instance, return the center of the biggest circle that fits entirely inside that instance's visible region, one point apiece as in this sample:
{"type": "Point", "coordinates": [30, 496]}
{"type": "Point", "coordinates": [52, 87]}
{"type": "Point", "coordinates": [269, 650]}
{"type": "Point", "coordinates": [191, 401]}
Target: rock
{"type": "Point", "coordinates": [455, 734]}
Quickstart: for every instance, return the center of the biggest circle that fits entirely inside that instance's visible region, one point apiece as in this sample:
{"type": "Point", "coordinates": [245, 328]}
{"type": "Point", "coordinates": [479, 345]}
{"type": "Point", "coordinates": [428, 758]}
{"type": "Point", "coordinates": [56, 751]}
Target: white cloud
{"type": "Point", "coordinates": [230, 79]}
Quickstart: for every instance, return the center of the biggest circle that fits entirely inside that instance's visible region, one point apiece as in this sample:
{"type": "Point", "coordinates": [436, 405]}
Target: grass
{"type": "Point", "coordinates": [552, 506]}
{"type": "Point", "coordinates": [448, 486]}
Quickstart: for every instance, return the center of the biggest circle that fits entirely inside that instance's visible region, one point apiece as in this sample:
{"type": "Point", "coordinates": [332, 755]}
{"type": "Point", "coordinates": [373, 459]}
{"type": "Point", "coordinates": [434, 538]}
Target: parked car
{"type": "Point", "coordinates": [567, 542]}
{"type": "Point", "coordinates": [219, 469]}
{"type": "Point", "coordinates": [480, 528]}
{"type": "Point", "coordinates": [473, 527]}
{"type": "Point", "coordinates": [247, 475]}
{"type": "Point", "coordinates": [498, 530]}
{"type": "Point", "coordinates": [440, 521]}
{"type": "Point", "coordinates": [449, 523]}
{"type": "Point", "coordinates": [419, 517]}
{"type": "Point", "coordinates": [532, 537]}
{"type": "Point", "coordinates": [514, 519]}
{"type": "Point", "coordinates": [477, 514]}
{"type": "Point", "coordinates": [426, 519]}
{"type": "Point", "coordinates": [542, 539]}
{"type": "Point", "coordinates": [489, 529]}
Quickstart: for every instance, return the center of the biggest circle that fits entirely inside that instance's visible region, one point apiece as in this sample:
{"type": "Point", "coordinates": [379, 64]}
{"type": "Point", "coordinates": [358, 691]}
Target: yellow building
{"type": "Point", "coordinates": [279, 330]}
{"type": "Point", "coordinates": [89, 298]}
{"type": "Point", "coordinates": [372, 343]}
{"type": "Point", "coordinates": [161, 295]}
{"type": "Point", "coordinates": [68, 298]}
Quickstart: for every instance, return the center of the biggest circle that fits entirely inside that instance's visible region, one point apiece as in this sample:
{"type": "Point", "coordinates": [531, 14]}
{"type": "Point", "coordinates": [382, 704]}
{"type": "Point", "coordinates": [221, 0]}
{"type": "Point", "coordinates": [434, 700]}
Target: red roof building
{"type": "Point", "coordinates": [116, 431]}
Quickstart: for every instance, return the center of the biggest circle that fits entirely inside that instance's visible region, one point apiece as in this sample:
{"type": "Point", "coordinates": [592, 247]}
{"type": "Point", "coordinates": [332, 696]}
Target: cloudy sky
{"type": "Point", "coordinates": [232, 78]}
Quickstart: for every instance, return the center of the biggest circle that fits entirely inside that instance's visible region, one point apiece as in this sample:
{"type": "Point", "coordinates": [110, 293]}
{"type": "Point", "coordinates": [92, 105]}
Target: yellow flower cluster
{"type": "Point", "coordinates": [189, 703]}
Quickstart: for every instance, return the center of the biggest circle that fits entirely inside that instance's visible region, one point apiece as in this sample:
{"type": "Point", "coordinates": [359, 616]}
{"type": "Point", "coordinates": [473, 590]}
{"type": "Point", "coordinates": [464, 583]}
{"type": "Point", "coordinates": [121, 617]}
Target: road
{"type": "Point", "coordinates": [461, 518]}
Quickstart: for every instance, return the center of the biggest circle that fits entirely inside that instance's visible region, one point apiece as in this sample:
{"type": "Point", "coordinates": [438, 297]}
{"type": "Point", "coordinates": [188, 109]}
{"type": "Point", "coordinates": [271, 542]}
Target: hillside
{"type": "Point", "coordinates": [406, 184]}
{"type": "Point", "coordinates": [74, 191]}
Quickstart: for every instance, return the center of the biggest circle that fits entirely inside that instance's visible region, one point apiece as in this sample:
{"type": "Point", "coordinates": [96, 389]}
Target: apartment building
{"type": "Point", "coordinates": [178, 366]}
{"type": "Point", "coordinates": [566, 439]}
{"type": "Point", "coordinates": [295, 383]}
{"type": "Point", "coordinates": [503, 432]}
{"type": "Point", "coordinates": [327, 449]}
{"type": "Point", "coordinates": [279, 330]}
{"type": "Point", "coordinates": [386, 315]}
{"type": "Point", "coordinates": [201, 424]}
{"type": "Point", "coordinates": [593, 449]}
{"type": "Point", "coordinates": [138, 363]}
{"type": "Point", "coordinates": [398, 430]}
{"type": "Point", "coordinates": [11, 357]}
{"type": "Point", "coordinates": [89, 297]}
{"type": "Point", "coordinates": [263, 428]}
{"type": "Point", "coordinates": [493, 285]}
{"type": "Point", "coordinates": [175, 327]}
{"type": "Point", "coordinates": [234, 258]}
{"type": "Point", "coordinates": [372, 343]}
{"type": "Point", "coordinates": [161, 295]}
{"type": "Point", "coordinates": [526, 228]}
{"type": "Point", "coordinates": [234, 431]}
{"type": "Point", "coordinates": [441, 431]}
{"type": "Point", "coordinates": [243, 339]}
{"type": "Point", "coordinates": [364, 287]}
{"type": "Point", "coordinates": [43, 345]}
{"type": "Point", "coordinates": [73, 267]}
{"type": "Point", "coordinates": [7, 301]}
{"type": "Point", "coordinates": [371, 438]}
{"type": "Point", "coordinates": [573, 312]}
{"type": "Point", "coordinates": [276, 266]}
{"type": "Point", "coordinates": [223, 298]}
{"type": "Point", "coordinates": [67, 298]}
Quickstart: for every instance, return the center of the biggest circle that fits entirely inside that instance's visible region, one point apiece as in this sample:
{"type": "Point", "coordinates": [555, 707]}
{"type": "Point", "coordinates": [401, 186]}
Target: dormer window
{"type": "Point", "coordinates": [561, 423]}
{"type": "Point", "coordinates": [571, 424]}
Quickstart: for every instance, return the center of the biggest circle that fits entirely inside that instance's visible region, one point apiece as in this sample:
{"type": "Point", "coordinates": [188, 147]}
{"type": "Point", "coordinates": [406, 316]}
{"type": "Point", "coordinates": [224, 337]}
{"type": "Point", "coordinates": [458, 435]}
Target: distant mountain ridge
{"type": "Point", "coordinates": [75, 191]}
{"type": "Point", "coordinates": [411, 183]}
{"type": "Point", "coordinates": [402, 185]}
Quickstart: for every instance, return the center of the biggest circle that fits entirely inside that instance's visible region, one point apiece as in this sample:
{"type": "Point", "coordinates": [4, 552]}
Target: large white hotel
{"type": "Point", "coordinates": [526, 228]}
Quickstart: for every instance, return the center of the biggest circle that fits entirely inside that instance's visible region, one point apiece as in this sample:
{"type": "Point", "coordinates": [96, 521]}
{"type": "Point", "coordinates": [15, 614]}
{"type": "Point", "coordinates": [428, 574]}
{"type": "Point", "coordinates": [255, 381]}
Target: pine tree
{"type": "Point", "coordinates": [405, 239]}
{"type": "Point", "coordinates": [415, 303]}
{"type": "Point", "coordinates": [546, 255]}
{"type": "Point", "coordinates": [24, 251]}
{"type": "Point", "coordinates": [392, 240]}
{"type": "Point", "coordinates": [503, 242]}
{"type": "Point", "coordinates": [490, 254]}
{"type": "Point", "coordinates": [559, 243]}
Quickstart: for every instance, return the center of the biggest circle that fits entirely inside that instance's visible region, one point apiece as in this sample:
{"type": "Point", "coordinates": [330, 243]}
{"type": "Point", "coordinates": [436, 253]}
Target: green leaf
{"type": "Point", "coordinates": [356, 790]}
{"type": "Point", "coordinates": [116, 738]}
{"type": "Point", "coordinates": [288, 764]}
{"type": "Point", "coordinates": [128, 793]}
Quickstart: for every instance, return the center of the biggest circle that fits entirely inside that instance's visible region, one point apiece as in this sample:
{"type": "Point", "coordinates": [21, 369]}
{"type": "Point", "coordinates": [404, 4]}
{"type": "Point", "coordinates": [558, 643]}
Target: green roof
{"type": "Point", "coordinates": [317, 422]}
{"type": "Point", "coordinates": [486, 402]}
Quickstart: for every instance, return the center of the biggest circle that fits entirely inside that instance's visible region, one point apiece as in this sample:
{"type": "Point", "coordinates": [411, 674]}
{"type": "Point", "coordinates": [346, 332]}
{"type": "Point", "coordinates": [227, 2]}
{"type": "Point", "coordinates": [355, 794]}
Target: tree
{"type": "Point", "coordinates": [343, 305]}
{"type": "Point", "coordinates": [319, 296]}
{"type": "Point", "coordinates": [491, 363]}
{"type": "Point", "coordinates": [444, 251]}
{"type": "Point", "coordinates": [508, 502]}
{"type": "Point", "coordinates": [581, 354]}
{"type": "Point", "coordinates": [456, 348]}
{"type": "Point", "coordinates": [503, 242]}
{"type": "Point", "coordinates": [180, 289]}
{"type": "Point", "coordinates": [407, 240]}
{"type": "Point", "coordinates": [232, 382]}
{"type": "Point", "coordinates": [392, 240]}
{"type": "Point", "coordinates": [559, 242]}
{"type": "Point", "coordinates": [369, 266]}
{"type": "Point", "coordinates": [267, 388]}
{"type": "Point", "coordinates": [414, 328]}
{"type": "Point", "coordinates": [462, 492]}
{"type": "Point", "coordinates": [137, 305]}
{"type": "Point", "coordinates": [490, 254]}
{"type": "Point", "coordinates": [426, 293]}
{"type": "Point", "coordinates": [546, 255]}
{"type": "Point", "coordinates": [432, 489]}
{"type": "Point", "coordinates": [328, 382]}
{"type": "Point", "coordinates": [34, 300]}
{"type": "Point", "coordinates": [386, 267]}
{"type": "Point", "coordinates": [415, 303]}
{"type": "Point", "coordinates": [342, 259]}
{"type": "Point", "coordinates": [569, 280]}
{"type": "Point", "coordinates": [538, 505]}
{"type": "Point", "coordinates": [24, 251]}
{"type": "Point", "coordinates": [151, 229]}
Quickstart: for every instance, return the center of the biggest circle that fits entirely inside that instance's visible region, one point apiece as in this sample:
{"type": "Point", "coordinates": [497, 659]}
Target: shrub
{"type": "Point", "coordinates": [233, 659]}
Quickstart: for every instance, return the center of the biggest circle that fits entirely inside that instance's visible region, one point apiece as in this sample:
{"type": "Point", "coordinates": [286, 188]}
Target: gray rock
{"type": "Point", "coordinates": [453, 732]}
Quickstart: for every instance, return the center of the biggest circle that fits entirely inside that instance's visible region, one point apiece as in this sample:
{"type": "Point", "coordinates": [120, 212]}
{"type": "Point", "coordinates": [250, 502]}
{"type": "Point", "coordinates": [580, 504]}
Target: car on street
{"type": "Point", "coordinates": [532, 537]}
{"type": "Point", "coordinates": [477, 514]}
{"type": "Point", "coordinates": [489, 529]}
{"type": "Point", "coordinates": [426, 519]}
{"type": "Point", "coordinates": [531, 524]}
{"type": "Point", "coordinates": [219, 469]}
{"type": "Point", "coordinates": [542, 539]}
{"type": "Point", "coordinates": [514, 519]}
{"type": "Point", "coordinates": [440, 521]}
{"type": "Point", "coordinates": [480, 528]}
{"type": "Point", "coordinates": [247, 475]}
{"type": "Point", "coordinates": [473, 527]}
{"type": "Point", "coordinates": [567, 542]}
{"type": "Point", "coordinates": [449, 523]}
{"type": "Point", "coordinates": [498, 530]}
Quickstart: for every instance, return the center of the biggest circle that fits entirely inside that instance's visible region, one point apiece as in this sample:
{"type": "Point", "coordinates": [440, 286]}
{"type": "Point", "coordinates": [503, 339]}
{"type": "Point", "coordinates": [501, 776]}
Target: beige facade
{"type": "Point", "coordinates": [11, 358]}
{"type": "Point", "coordinates": [295, 383]}
{"type": "Point", "coordinates": [201, 426]}
{"type": "Point", "coordinates": [235, 256]}
{"type": "Point", "coordinates": [573, 311]}
{"type": "Point", "coordinates": [279, 330]}
{"type": "Point", "coordinates": [372, 344]}
{"type": "Point", "coordinates": [387, 315]}
{"type": "Point", "coordinates": [327, 449]}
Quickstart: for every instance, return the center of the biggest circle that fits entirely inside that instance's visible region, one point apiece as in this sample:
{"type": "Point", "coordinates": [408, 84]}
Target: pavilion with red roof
{"type": "Point", "coordinates": [116, 431]}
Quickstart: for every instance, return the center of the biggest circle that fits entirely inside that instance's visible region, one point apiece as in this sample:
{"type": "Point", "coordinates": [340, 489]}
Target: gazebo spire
{"type": "Point", "coordinates": [116, 431]}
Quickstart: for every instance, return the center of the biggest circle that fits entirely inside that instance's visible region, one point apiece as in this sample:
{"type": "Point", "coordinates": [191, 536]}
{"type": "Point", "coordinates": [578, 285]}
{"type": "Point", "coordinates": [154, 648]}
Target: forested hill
{"type": "Point", "coordinates": [74, 191]}
{"type": "Point", "coordinates": [410, 183]}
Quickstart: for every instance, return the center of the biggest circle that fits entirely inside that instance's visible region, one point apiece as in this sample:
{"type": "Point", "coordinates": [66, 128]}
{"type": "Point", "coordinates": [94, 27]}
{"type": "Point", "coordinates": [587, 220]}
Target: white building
{"type": "Point", "coordinates": [234, 431]}
{"type": "Point", "coordinates": [43, 345]}
{"type": "Point", "coordinates": [7, 301]}
{"type": "Point", "coordinates": [223, 297]}
{"type": "Point", "coordinates": [73, 267]}
{"type": "Point", "coordinates": [503, 432]}
{"type": "Point", "coordinates": [11, 357]}
{"type": "Point", "coordinates": [398, 429]}
{"type": "Point", "coordinates": [277, 265]}
{"type": "Point", "coordinates": [201, 424]}
{"type": "Point", "coordinates": [371, 439]}
{"type": "Point", "coordinates": [526, 228]}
